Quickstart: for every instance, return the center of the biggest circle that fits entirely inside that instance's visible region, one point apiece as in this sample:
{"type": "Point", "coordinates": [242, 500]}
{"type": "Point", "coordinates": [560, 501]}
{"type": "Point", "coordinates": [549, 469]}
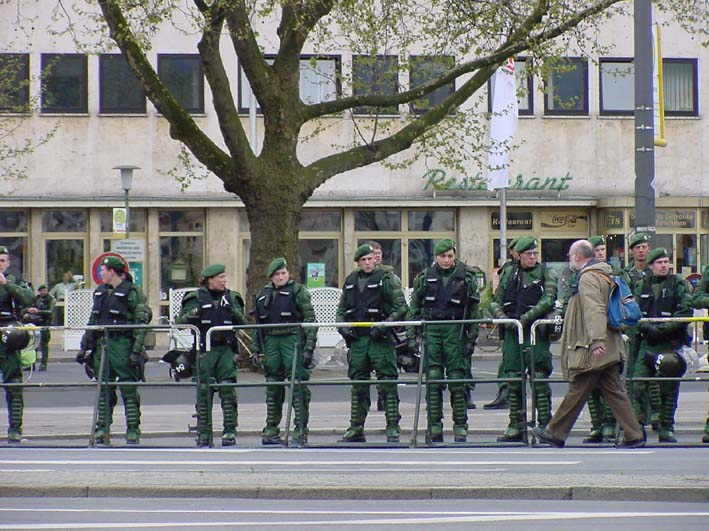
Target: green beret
{"type": "Point", "coordinates": [41, 287]}
{"type": "Point", "coordinates": [444, 246]}
{"type": "Point", "coordinates": [640, 237]}
{"type": "Point", "coordinates": [526, 243]}
{"type": "Point", "coordinates": [115, 263]}
{"type": "Point", "coordinates": [512, 243]}
{"type": "Point", "coordinates": [363, 250]}
{"type": "Point", "coordinates": [212, 270]}
{"type": "Point", "coordinates": [596, 241]}
{"type": "Point", "coordinates": [278, 263]}
{"type": "Point", "coordinates": [3, 250]}
{"type": "Point", "coordinates": [660, 252]}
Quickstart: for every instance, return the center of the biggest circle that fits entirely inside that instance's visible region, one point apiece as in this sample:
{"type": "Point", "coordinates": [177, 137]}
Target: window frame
{"type": "Point", "coordinates": [602, 111]}
{"type": "Point", "coordinates": [694, 63]}
{"type": "Point", "coordinates": [243, 84]}
{"type": "Point", "coordinates": [21, 85]}
{"type": "Point", "coordinates": [439, 92]}
{"type": "Point", "coordinates": [530, 90]}
{"type": "Point", "coordinates": [367, 110]}
{"type": "Point", "coordinates": [83, 88]}
{"type": "Point", "coordinates": [199, 109]}
{"type": "Point", "coordinates": [584, 111]}
{"type": "Point", "coordinates": [103, 61]}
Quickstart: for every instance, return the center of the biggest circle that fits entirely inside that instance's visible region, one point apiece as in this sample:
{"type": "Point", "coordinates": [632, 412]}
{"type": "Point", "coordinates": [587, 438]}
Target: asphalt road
{"type": "Point", "coordinates": [159, 513]}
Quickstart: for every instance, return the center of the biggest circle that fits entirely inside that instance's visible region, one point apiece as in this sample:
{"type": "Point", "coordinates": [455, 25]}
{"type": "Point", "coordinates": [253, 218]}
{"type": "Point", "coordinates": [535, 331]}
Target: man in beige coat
{"type": "Point", "coordinates": [591, 353]}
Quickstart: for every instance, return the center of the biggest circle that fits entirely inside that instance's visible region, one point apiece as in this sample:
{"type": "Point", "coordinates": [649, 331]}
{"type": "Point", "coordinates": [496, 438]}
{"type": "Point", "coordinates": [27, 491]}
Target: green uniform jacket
{"type": "Point", "coordinates": [138, 314]}
{"type": "Point", "coordinates": [395, 307]}
{"type": "Point", "coordinates": [700, 299]}
{"type": "Point", "coordinates": [541, 308]}
{"type": "Point", "coordinates": [682, 308]}
{"type": "Point", "coordinates": [45, 307]}
{"type": "Point", "coordinates": [305, 306]}
{"type": "Point", "coordinates": [189, 313]}
{"type": "Point", "coordinates": [18, 290]}
{"type": "Point", "coordinates": [472, 306]}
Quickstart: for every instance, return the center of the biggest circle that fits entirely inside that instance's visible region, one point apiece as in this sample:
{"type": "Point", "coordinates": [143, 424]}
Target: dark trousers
{"type": "Point", "coordinates": [580, 387]}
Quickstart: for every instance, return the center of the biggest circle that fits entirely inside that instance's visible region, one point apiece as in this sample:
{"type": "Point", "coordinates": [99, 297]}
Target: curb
{"type": "Point", "coordinates": [561, 493]}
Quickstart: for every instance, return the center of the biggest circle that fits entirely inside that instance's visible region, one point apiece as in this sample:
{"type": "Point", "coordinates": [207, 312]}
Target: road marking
{"type": "Point", "coordinates": [425, 518]}
{"type": "Point", "coordinates": [92, 462]}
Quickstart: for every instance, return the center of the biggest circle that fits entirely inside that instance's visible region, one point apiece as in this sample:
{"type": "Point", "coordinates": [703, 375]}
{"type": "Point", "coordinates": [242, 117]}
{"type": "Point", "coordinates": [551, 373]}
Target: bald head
{"type": "Point", "coordinates": [580, 252]}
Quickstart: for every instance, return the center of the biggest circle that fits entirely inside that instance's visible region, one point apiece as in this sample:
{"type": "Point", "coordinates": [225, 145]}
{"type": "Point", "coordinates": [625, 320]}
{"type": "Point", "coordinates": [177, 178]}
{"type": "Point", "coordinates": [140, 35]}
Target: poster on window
{"type": "Point", "coordinates": [120, 216]}
{"type": "Point", "coordinates": [316, 275]}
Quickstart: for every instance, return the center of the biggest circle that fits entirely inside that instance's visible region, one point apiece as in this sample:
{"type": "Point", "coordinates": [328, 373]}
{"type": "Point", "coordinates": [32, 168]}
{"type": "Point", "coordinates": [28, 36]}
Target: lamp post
{"type": "Point", "coordinates": [127, 184]}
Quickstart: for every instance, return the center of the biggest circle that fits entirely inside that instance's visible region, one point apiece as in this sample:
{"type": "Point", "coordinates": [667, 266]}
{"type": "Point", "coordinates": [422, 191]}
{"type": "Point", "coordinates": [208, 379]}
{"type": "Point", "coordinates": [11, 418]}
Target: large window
{"type": "Point", "coordinates": [525, 85]}
{"type": "Point", "coordinates": [680, 87]}
{"type": "Point", "coordinates": [64, 83]}
{"type": "Point", "coordinates": [566, 88]}
{"type": "Point", "coordinates": [319, 248]}
{"type": "Point", "coordinates": [182, 74]}
{"type": "Point", "coordinates": [407, 237]}
{"type": "Point", "coordinates": [120, 91]}
{"type": "Point", "coordinates": [425, 68]}
{"type": "Point", "coordinates": [617, 86]}
{"type": "Point", "coordinates": [13, 235]}
{"type": "Point", "coordinates": [319, 81]}
{"type": "Point", "coordinates": [14, 82]}
{"type": "Point", "coordinates": [65, 235]}
{"type": "Point", "coordinates": [617, 82]}
{"type": "Point", "coordinates": [375, 75]}
{"type": "Point", "coordinates": [181, 249]}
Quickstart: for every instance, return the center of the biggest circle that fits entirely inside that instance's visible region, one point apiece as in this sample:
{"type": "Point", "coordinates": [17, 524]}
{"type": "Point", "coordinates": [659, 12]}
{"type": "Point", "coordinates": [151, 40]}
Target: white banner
{"type": "Point", "coordinates": [503, 124]}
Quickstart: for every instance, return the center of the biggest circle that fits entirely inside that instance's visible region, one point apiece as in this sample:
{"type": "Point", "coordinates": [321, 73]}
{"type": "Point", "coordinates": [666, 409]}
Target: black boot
{"type": "Point", "coordinates": [501, 400]}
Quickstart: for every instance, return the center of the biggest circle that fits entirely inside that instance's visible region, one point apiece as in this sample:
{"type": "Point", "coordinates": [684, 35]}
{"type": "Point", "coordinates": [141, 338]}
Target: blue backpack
{"type": "Point", "coordinates": [623, 310]}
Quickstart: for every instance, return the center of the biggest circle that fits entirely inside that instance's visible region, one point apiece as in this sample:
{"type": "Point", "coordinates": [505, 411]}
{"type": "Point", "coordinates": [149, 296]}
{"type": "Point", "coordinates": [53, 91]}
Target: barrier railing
{"type": "Point", "coordinates": [294, 384]}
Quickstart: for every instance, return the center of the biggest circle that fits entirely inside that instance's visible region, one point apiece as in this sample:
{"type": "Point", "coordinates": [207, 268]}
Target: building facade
{"type": "Point", "coordinates": [572, 174]}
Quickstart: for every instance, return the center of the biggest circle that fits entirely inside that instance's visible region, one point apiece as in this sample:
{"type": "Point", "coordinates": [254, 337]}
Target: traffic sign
{"type": "Point", "coordinates": [96, 267]}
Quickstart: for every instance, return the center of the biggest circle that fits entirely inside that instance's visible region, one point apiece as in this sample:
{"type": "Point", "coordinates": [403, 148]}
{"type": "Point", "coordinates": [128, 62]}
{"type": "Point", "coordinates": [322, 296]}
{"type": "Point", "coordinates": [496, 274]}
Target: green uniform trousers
{"type": "Point", "coordinates": [642, 391]}
{"type": "Point", "coordinates": [279, 352]}
{"type": "Point", "coordinates": [117, 368]}
{"type": "Point", "coordinates": [11, 369]}
{"type": "Point", "coordinates": [217, 366]}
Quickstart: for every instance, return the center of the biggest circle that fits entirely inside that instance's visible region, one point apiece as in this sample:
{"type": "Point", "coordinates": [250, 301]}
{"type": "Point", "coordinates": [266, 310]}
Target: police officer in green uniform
{"type": "Point", "coordinates": [14, 294]}
{"type": "Point", "coordinates": [284, 301]}
{"type": "Point", "coordinates": [506, 269]}
{"type": "Point", "coordinates": [700, 300]}
{"type": "Point", "coordinates": [213, 304]}
{"type": "Point", "coordinates": [603, 423]}
{"type": "Point", "coordinates": [660, 294]}
{"type": "Point", "coordinates": [40, 313]}
{"type": "Point", "coordinates": [640, 246]}
{"type": "Point", "coordinates": [371, 294]}
{"type": "Point", "coordinates": [446, 291]}
{"type": "Point", "coordinates": [117, 301]}
{"type": "Point", "coordinates": [528, 294]}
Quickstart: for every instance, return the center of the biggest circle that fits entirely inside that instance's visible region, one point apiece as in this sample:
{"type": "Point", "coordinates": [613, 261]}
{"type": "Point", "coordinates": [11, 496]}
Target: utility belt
{"type": "Point", "coordinates": [440, 316]}
{"type": "Point", "coordinates": [281, 331]}
{"type": "Point", "coordinates": [220, 339]}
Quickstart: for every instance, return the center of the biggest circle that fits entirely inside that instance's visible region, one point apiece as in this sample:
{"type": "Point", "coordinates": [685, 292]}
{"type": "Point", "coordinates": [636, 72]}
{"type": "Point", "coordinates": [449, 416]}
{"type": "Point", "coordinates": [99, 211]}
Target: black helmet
{"type": "Point", "coordinates": [670, 364]}
{"type": "Point", "coordinates": [181, 363]}
{"type": "Point", "coordinates": [15, 339]}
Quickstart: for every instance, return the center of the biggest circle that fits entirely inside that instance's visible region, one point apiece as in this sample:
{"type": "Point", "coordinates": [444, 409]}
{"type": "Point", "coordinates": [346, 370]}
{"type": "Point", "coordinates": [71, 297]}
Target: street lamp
{"type": "Point", "coordinates": [127, 184]}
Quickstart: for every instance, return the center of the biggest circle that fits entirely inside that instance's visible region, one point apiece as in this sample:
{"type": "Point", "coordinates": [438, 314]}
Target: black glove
{"type": "Point", "coordinates": [650, 359]}
{"type": "Point", "coordinates": [469, 348]}
{"type": "Point", "coordinates": [413, 347]}
{"type": "Point", "coordinates": [651, 333]}
{"type": "Point", "coordinates": [257, 359]}
{"type": "Point", "coordinates": [80, 357]}
{"type": "Point", "coordinates": [378, 332]}
{"type": "Point", "coordinates": [137, 360]}
{"type": "Point", "coordinates": [308, 361]}
{"type": "Point", "coordinates": [348, 334]}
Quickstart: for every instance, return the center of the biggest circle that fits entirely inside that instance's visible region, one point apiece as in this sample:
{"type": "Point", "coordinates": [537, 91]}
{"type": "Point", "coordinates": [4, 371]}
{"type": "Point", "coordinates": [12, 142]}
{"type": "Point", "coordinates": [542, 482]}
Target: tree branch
{"type": "Point", "coordinates": [223, 99]}
{"type": "Point", "coordinates": [182, 126]}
